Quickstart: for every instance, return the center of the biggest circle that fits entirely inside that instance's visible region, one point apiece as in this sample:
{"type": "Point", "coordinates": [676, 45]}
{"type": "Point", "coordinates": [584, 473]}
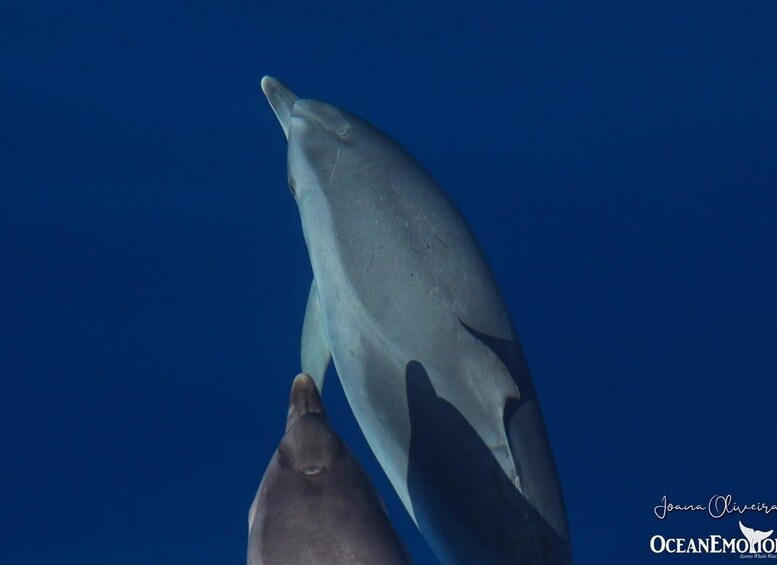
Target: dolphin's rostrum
{"type": "Point", "coordinates": [406, 306]}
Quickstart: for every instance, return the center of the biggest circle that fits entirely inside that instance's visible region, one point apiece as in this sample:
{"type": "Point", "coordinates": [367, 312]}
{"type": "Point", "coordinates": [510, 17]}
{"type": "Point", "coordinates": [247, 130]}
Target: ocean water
{"type": "Point", "coordinates": [617, 161]}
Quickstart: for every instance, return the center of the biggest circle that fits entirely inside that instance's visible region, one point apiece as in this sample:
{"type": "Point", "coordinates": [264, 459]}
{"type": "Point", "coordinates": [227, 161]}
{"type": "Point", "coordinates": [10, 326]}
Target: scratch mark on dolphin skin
{"type": "Point", "coordinates": [334, 166]}
{"type": "Point", "coordinates": [372, 256]}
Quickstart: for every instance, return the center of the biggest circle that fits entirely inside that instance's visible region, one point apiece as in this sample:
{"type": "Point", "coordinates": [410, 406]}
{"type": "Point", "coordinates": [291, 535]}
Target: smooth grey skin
{"type": "Point", "coordinates": [315, 505]}
{"type": "Point", "coordinates": [406, 305]}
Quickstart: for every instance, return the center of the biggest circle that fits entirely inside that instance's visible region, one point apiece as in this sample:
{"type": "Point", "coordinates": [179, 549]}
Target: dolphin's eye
{"type": "Point", "coordinates": [292, 189]}
{"type": "Point", "coordinates": [313, 471]}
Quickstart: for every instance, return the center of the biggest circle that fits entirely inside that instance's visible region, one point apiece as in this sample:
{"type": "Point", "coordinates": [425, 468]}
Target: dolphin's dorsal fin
{"type": "Point", "coordinates": [315, 351]}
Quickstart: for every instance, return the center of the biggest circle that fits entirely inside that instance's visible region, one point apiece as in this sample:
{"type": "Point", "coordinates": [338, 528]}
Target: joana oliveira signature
{"type": "Point", "coordinates": [719, 505]}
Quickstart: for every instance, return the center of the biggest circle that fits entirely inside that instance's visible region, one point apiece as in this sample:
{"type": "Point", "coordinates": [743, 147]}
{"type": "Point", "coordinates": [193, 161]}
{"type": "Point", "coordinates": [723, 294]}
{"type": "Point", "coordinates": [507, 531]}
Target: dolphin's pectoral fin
{"type": "Point", "coordinates": [526, 436]}
{"type": "Point", "coordinates": [315, 350]}
{"type": "Point", "coordinates": [510, 354]}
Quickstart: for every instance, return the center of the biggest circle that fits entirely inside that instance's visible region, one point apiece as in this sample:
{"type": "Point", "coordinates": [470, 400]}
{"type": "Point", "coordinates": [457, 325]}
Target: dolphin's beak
{"type": "Point", "coordinates": [281, 100]}
{"type": "Point", "coordinates": [304, 399]}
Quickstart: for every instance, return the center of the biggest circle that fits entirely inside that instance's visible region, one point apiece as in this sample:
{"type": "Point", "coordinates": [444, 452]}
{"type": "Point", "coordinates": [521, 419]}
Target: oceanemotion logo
{"type": "Point", "coordinates": [754, 544]}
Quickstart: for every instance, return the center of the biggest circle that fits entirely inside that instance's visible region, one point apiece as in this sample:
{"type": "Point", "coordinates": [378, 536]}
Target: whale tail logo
{"type": "Point", "coordinates": [755, 537]}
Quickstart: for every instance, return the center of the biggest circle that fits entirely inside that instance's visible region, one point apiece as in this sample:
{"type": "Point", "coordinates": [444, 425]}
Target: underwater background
{"type": "Point", "coordinates": [616, 160]}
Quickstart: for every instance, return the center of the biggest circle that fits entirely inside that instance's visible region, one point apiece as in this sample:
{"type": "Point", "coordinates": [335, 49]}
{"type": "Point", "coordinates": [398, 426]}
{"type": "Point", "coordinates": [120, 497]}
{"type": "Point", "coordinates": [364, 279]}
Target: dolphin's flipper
{"type": "Point", "coordinates": [316, 354]}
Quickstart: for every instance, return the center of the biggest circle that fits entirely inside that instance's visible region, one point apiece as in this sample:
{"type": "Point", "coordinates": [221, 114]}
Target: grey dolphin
{"type": "Point", "coordinates": [401, 289]}
{"type": "Point", "coordinates": [315, 505]}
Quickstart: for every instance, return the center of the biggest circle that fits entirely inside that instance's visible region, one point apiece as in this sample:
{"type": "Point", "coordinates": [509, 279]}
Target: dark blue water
{"type": "Point", "coordinates": [617, 160]}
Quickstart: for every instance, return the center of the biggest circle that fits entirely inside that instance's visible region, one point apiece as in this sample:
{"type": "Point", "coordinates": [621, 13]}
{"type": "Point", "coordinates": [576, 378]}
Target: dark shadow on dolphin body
{"type": "Point", "coordinates": [459, 492]}
{"type": "Point", "coordinates": [525, 428]}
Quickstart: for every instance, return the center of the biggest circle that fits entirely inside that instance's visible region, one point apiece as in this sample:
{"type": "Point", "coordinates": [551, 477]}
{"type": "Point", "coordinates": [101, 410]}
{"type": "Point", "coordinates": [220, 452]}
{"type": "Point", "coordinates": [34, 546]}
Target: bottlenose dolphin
{"type": "Point", "coordinates": [405, 304]}
{"type": "Point", "coordinates": [315, 505]}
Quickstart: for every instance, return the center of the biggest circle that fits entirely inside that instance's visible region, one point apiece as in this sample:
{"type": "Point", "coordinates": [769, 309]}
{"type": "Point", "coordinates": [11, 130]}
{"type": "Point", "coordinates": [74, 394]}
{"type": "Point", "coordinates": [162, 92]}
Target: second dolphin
{"type": "Point", "coordinates": [315, 506]}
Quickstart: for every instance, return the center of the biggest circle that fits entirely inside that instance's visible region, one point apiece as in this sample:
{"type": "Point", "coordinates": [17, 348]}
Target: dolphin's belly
{"type": "Point", "coordinates": [436, 427]}
{"type": "Point", "coordinates": [371, 372]}
{"type": "Point", "coordinates": [396, 281]}
{"type": "Point", "coordinates": [373, 369]}
{"type": "Point", "coordinates": [414, 265]}
{"type": "Point", "coordinates": [399, 283]}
